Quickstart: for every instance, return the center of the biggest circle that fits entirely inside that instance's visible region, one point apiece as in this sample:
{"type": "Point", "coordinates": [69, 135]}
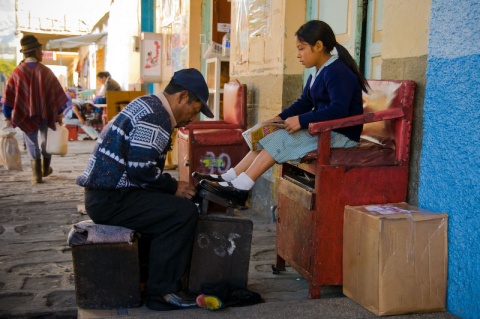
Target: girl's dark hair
{"type": "Point", "coordinates": [316, 30]}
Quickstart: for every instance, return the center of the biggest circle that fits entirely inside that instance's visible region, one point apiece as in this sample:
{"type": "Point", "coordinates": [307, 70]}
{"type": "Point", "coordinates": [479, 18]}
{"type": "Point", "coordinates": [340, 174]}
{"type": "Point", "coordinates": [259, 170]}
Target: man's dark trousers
{"type": "Point", "coordinates": [170, 221]}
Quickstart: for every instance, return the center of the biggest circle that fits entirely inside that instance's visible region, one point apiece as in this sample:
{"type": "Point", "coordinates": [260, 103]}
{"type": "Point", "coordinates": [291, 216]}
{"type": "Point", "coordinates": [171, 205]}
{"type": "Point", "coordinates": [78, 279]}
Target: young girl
{"type": "Point", "coordinates": [334, 91]}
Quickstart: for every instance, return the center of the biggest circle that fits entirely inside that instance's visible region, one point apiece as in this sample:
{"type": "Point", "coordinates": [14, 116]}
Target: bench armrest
{"type": "Point", "coordinates": [393, 113]}
{"type": "Point", "coordinates": [207, 125]}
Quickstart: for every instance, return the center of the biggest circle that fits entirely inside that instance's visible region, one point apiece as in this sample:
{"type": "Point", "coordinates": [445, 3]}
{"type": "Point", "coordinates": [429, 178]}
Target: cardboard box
{"type": "Point", "coordinates": [395, 258]}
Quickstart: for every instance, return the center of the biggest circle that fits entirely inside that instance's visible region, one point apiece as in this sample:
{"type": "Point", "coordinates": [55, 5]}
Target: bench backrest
{"type": "Point", "coordinates": [235, 103]}
{"type": "Point", "coordinates": [385, 140]}
{"type": "Point", "coordinates": [384, 95]}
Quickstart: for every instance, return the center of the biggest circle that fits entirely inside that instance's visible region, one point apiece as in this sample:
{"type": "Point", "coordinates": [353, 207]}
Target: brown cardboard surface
{"type": "Point", "coordinates": [395, 258]}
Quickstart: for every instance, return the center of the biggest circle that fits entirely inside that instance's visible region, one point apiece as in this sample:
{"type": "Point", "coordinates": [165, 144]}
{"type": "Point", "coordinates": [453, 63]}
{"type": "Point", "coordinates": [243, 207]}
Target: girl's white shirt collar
{"type": "Point", "coordinates": [316, 72]}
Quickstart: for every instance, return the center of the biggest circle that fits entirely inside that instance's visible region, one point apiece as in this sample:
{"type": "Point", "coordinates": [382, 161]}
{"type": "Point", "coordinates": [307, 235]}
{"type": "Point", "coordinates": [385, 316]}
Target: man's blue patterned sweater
{"type": "Point", "coordinates": [131, 150]}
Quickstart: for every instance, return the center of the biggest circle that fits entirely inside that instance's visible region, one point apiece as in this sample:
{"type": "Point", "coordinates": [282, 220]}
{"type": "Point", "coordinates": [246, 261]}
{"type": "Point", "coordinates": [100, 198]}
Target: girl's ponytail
{"type": "Point", "coordinates": [345, 56]}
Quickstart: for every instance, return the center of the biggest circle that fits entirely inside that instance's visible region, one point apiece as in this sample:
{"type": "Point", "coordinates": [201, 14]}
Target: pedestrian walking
{"type": "Point", "coordinates": [34, 101]}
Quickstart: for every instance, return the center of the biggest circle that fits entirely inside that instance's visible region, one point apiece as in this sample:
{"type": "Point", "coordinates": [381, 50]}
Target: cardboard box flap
{"type": "Point", "coordinates": [399, 211]}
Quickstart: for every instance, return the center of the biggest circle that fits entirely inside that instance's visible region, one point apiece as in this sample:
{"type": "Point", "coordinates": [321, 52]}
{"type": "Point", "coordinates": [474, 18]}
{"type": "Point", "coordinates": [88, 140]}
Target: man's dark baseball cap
{"type": "Point", "coordinates": [192, 80]}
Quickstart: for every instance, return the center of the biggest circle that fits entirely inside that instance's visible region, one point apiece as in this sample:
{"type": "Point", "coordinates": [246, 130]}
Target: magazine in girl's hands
{"type": "Point", "coordinates": [259, 131]}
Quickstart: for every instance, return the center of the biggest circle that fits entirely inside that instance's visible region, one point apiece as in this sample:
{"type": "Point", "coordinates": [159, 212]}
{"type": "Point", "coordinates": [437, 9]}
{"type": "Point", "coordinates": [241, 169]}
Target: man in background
{"type": "Point", "coordinates": [84, 116]}
{"type": "Point", "coordinates": [107, 84]}
{"type": "Point", "coordinates": [34, 100]}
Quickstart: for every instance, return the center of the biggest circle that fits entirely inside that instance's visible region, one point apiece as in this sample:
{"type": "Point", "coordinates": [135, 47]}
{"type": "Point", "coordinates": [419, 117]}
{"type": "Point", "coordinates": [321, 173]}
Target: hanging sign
{"type": "Point", "coordinates": [151, 57]}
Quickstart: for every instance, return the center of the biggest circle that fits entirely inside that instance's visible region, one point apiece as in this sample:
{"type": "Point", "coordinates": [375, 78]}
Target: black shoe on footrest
{"type": "Point", "coordinates": [235, 196]}
{"type": "Point", "coordinates": [208, 177]}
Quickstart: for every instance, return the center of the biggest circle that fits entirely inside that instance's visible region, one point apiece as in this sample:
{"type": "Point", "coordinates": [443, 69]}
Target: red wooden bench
{"type": "Point", "coordinates": [313, 194]}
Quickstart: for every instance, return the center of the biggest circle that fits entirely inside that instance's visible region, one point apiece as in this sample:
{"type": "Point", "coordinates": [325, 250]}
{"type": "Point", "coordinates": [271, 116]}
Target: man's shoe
{"type": "Point", "coordinates": [171, 301]}
{"type": "Point", "coordinates": [236, 197]}
{"type": "Point", "coordinates": [180, 300]}
{"type": "Point", "coordinates": [158, 303]}
{"type": "Point", "coordinates": [207, 177]}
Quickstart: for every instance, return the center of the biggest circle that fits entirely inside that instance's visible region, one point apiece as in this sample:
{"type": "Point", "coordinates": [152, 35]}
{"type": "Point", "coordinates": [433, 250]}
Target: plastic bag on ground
{"type": "Point", "coordinates": [10, 155]}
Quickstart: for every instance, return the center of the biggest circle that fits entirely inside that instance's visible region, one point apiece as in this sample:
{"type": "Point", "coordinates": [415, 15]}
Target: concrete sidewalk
{"type": "Point", "coordinates": [36, 278]}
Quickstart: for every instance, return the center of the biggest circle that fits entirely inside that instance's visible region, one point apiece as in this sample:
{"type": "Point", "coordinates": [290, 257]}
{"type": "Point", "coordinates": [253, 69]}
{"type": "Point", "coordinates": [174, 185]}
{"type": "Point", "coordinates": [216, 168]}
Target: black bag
{"type": "Point", "coordinates": [232, 296]}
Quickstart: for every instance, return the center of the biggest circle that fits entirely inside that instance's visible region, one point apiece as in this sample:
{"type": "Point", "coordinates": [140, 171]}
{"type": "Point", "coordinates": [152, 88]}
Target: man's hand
{"type": "Point", "coordinates": [8, 123]}
{"type": "Point", "coordinates": [185, 190]}
{"type": "Point", "coordinates": [60, 119]}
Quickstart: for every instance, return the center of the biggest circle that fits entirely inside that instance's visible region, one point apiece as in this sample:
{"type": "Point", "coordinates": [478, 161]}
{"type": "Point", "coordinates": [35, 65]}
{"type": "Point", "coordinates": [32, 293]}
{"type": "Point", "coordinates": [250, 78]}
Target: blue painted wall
{"type": "Point", "coordinates": [148, 25]}
{"type": "Point", "coordinates": [206, 28]}
{"type": "Point", "coordinates": [450, 160]}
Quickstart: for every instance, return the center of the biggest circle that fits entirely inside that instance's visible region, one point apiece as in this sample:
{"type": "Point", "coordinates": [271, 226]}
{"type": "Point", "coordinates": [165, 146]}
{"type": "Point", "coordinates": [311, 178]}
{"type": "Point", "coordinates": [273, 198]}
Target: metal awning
{"type": "Point", "coordinates": [75, 42]}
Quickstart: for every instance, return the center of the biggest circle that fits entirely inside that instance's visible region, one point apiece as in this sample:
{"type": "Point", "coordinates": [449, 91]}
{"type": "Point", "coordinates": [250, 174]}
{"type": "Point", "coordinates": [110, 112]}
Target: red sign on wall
{"type": "Point", "coordinates": [48, 55]}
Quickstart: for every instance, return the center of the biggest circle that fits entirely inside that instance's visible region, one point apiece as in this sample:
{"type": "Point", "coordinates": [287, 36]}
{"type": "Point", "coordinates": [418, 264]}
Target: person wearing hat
{"type": "Point", "coordinates": [33, 101]}
{"type": "Point", "coordinates": [125, 184]}
{"type": "Point", "coordinates": [83, 115]}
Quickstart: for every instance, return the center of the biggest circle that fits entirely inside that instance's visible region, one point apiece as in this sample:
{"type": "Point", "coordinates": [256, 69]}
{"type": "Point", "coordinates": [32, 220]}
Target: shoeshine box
{"type": "Point", "coordinates": [395, 258]}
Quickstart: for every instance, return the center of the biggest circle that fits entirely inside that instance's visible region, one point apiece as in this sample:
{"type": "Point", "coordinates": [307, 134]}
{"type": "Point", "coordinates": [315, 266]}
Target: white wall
{"type": "Point", "coordinates": [121, 60]}
{"type": "Point", "coordinates": [60, 72]}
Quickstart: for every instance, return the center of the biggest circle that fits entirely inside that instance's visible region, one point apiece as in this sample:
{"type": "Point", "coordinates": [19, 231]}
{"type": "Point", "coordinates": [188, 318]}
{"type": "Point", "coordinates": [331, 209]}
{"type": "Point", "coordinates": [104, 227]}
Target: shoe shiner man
{"type": "Point", "coordinates": [125, 184]}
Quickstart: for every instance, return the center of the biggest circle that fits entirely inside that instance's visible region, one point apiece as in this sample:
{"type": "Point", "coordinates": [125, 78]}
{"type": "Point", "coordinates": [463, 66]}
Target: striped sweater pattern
{"type": "Point", "coordinates": [131, 150]}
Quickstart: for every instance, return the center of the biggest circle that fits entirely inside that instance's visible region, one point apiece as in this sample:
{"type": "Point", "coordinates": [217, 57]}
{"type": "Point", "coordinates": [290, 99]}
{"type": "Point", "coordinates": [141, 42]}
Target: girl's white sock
{"type": "Point", "coordinates": [229, 176]}
{"type": "Point", "coordinates": [244, 182]}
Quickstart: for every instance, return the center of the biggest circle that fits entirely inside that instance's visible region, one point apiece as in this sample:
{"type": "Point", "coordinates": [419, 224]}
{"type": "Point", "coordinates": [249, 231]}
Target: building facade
{"type": "Point", "coordinates": [436, 43]}
{"type": "Point", "coordinates": [433, 42]}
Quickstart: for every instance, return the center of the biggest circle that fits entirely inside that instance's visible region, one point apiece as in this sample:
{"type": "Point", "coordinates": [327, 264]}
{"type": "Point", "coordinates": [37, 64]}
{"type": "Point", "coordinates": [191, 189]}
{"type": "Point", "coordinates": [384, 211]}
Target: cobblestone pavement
{"type": "Point", "coordinates": [36, 277]}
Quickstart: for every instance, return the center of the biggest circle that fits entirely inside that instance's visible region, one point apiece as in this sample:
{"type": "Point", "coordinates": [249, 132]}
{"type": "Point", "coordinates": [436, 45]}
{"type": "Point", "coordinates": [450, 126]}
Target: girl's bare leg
{"type": "Point", "coordinates": [261, 163]}
{"type": "Point", "coordinates": [245, 163]}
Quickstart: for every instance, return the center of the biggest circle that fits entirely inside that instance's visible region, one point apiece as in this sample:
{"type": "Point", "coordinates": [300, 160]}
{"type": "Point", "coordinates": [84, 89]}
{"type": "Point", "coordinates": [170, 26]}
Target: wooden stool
{"type": "Point", "coordinates": [106, 275]}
